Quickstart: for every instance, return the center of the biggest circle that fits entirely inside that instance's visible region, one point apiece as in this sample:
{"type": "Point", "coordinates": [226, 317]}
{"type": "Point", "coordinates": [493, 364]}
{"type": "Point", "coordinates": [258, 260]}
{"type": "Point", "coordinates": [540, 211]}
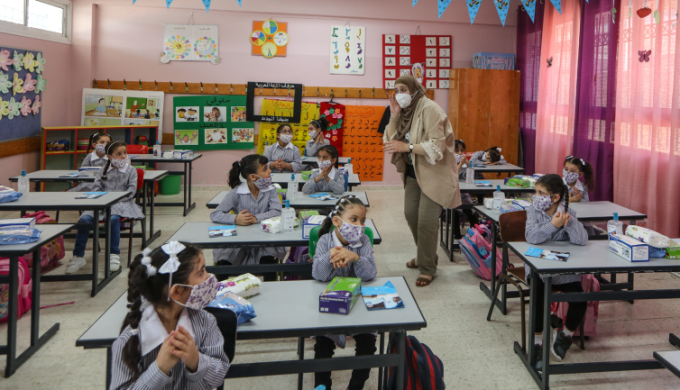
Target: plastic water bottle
{"type": "Point", "coordinates": [470, 175]}
{"type": "Point", "coordinates": [345, 174]}
{"type": "Point", "coordinates": [288, 217]}
{"type": "Point", "coordinates": [498, 199]}
{"type": "Point", "coordinates": [157, 149]}
{"type": "Point", "coordinates": [615, 226]}
{"type": "Point", "coordinates": [24, 185]}
{"type": "Point", "coordinates": [349, 167]}
{"type": "Point", "coordinates": [292, 190]}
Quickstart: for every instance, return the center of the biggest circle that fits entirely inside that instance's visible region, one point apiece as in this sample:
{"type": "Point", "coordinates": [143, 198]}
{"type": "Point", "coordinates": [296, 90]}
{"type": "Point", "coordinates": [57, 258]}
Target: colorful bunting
{"type": "Point", "coordinates": [473, 7]}
{"type": "Point", "coordinates": [206, 3]}
{"type": "Point", "coordinates": [168, 2]}
{"type": "Point", "coordinates": [530, 7]}
{"type": "Point", "coordinates": [558, 5]}
{"type": "Point", "coordinates": [502, 8]}
{"type": "Point", "coordinates": [239, 2]}
{"type": "Point", "coordinates": [443, 5]}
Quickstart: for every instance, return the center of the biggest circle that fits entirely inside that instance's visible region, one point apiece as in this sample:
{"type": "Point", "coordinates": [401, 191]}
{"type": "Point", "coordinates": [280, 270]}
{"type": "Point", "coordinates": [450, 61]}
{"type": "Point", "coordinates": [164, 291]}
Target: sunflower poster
{"type": "Point", "coordinates": [190, 42]}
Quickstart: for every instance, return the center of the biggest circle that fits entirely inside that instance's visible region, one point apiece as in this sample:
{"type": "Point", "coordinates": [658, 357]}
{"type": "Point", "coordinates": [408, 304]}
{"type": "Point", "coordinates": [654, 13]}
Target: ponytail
{"type": "Point", "coordinates": [244, 168]}
{"type": "Point", "coordinates": [321, 123]}
{"type": "Point", "coordinates": [340, 207]}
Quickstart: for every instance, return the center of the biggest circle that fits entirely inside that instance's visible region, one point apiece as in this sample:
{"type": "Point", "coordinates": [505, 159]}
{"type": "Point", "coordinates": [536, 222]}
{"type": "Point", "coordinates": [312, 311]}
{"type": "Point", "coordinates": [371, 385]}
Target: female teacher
{"type": "Point", "coordinates": [420, 139]}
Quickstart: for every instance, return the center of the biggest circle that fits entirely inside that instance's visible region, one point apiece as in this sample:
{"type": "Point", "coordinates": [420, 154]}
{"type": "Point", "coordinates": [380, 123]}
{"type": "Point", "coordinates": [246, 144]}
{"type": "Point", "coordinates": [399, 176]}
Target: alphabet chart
{"type": "Point", "coordinates": [425, 57]}
{"type": "Point", "coordinates": [362, 142]}
{"type": "Point", "coordinates": [310, 112]}
{"type": "Point", "coordinates": [347, 53]}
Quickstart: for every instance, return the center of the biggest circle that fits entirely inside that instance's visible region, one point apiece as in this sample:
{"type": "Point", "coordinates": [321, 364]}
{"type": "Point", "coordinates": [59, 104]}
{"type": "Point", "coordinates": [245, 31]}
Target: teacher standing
{"type": "Point", "coordinates": [420, 139]}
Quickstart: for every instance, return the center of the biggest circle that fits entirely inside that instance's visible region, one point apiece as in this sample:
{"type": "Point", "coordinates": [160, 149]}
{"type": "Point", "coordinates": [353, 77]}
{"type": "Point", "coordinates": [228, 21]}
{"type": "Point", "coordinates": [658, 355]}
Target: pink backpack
{"type": "Point", "coordinates": [52, 251]}
{"type": "Point", "coordinates": [476, 248]}
{"type": "Point", "coordinates": [25, 289]}
{"type": "Point", "coordinates": [589, 284]}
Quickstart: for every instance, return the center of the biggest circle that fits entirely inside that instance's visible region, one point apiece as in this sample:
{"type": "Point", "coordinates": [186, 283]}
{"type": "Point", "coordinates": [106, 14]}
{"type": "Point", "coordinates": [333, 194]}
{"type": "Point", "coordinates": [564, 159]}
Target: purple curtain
{"type": "Point", "coordinates": [594, 132]}
{"type": "Point", "coordinates": [529, 35]}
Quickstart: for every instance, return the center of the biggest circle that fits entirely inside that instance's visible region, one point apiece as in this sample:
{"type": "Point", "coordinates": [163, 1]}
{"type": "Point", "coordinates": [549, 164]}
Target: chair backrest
{"type": "Point", "coordinates": [314, 238]}
{"type": "Point", "coordinates": [137, 149]}
{"type": "Point", "coordinates": [513, 225]}
{"type": "Point", "coordinates": [140, 179]}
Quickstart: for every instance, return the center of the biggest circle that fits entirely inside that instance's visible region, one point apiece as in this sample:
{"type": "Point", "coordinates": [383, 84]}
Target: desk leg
{"type": "Point", "coordinates": [631, 281]}
{"type": "Point", "coordinates": [401, 350]}
{"type": "Point", "coordinates": [186, 187]}
{"type": "Point", "coordinates": [381, 369]}
{"type": "Point", "coordinates": [546, 332]}
{"type": "Point", "coordinates": [152, 233]}
{"type": "Point", "coordinates": [532, 320]}
{"type": "Point", "coordinates": [95, 253]}
{"type": "Point", "coordinates": [504, 287]}
{"type": "Point", "coordinates": [12, 316]}
{"type": "Point", "coordinates": [191, 169]}
{"type": "Point", "coordinates": [107, 243]}
{"type": "Point", "coordinates": [494, 233]}
{"type": "Point", "coordinates": [145, 191]}
{"type": "Point", "coordinates": [108, 367]}
{"type": "Point", "coordinates": [35, 299]}
{"type": "Point", "coordinates": [674, 340]}
{"type": "Point", "coordinates": [301, 356]}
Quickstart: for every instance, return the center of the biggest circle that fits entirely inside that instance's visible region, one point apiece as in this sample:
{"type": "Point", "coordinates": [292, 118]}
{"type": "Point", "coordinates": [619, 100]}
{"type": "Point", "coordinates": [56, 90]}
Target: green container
{"type": "Point", "coordinates": [170, 185]}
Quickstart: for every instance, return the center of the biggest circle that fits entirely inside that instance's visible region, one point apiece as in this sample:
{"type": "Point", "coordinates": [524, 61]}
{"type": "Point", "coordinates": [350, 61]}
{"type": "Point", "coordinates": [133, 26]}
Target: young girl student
{"type": "Point", "coordinates": [167, 340]}
{"type": "Point", "coordinates": [491, 156]}
{"type": "Point", "coordinates": [345, 251]}
{"type": "Point", "coordinates": [317, 140]}
{"type": "Point", "coordinates": [98, 142]}
{"type": "Point", "coordinates": [254, 199]}
{"type": "Point", "coordinates": [574, 169]}
{"type": "Point", "coordinates": [283, 155]}
{"type": "Point", "coordinates": [465, 198]}
{"type": "Point", "coordinates": [326, 177]}
{"type": "Point", "coordinates": [550, 219]}
{"type": "Point", "coordinates": [116, 176]}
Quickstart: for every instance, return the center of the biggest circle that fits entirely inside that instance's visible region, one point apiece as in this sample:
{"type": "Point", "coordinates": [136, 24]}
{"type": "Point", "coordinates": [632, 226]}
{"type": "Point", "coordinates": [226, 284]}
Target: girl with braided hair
{"type": "Point", "coordinates": [167, 340]}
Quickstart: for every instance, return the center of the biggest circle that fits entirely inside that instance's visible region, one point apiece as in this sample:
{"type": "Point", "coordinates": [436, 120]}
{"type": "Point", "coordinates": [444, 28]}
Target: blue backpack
{"type": "Point", "coordinates": [423, 369]}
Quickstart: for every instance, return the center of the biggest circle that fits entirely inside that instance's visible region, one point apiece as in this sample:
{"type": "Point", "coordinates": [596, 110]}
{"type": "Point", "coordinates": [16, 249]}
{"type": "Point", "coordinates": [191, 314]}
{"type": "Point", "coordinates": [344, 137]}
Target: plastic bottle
{"type": "Point", "coordinates": [470, 175]}
{"type": "Point", "coordinates": [287, 217]}
{"type": "Point", "coordinates": [648, 236]}
{"type": "Point", "coordinates": [498, 199]}
{"type": "Point", "coordinates": [615, 226]}
{"type": "Point", "coordinates": [292, 190]}
{"type": "Point", "coordinates": [345, 174]}
{"type": "Point", "coordinates": [349, 167]}
{"type": "Point", "coordinates": [157, 152]}
{"type": "Point", "coordinates": [24, 185]}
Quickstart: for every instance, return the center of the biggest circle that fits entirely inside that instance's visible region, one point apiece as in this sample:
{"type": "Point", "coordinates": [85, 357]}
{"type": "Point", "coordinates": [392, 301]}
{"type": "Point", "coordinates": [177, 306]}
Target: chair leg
{"type": "Point", "coordinates": [504, 279]}
{"type": "Point", "coordinates": [582, 332]}
{"type": "Point", "coordinates": [57, 219]}
{"type": "Point", "coordinates": [132, 228]}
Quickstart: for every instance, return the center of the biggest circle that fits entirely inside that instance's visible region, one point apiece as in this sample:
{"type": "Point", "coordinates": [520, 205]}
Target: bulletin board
{"type": "Point", "coordinates": [20, 100]}
{"type": "Point", "coordinates": [426, 57]}
{"type": "Point", "coordinates": [362, 141]}
{"type": "Point", "coordinates": [212, 122]}
{"type": "Point", "coordinates": [274, 107]}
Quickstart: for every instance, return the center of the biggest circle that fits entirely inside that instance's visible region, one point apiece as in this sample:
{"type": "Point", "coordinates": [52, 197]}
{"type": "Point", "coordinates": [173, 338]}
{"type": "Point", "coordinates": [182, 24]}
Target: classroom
{"type": "Point", "coordinates": [379, 195]}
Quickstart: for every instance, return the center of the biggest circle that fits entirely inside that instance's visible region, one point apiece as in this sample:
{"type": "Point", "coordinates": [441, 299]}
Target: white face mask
{"type": "Point", "coordinates": [404, 99]}
{"type": "Point", "coordinates": [286, 138]}
{"type": "Point", "coordinates": [312, 134]}
{"type": "Point", "coordinates": [324, 164]}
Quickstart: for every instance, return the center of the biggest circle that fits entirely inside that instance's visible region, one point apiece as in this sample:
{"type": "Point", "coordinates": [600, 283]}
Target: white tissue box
{"type": "Point", "coordinates": [628, 248]}
{"type": "Point", "coordinates": [310, 223]}
{"type": "Point", "coordinates": [183, 154]}
{"type": "Point", "coordinates": [168, 154]}
{"type": "Point", "coordinates": [18, 222]}
{"type": "Point", "coordinates": [275, 225]}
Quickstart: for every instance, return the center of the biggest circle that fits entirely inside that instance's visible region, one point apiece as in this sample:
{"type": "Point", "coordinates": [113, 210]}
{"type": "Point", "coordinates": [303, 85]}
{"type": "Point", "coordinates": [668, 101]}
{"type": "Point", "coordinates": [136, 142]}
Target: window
{"type": "Point", "coordinates": [41, 19]}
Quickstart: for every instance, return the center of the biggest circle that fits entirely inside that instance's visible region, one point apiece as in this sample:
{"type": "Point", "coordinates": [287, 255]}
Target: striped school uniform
{"type": "Point", "coordinates": [364, 268]}
{"type": "Point", "coordinates": [582, 188]}
{"type": "Point", "coordinates": [91, 160]}
{"type": "Point", "coordinates": [312, 148]}
{"type": "Point", "coordinates": [336, 184]}
{"type": "Point", "coordinates": [477, 158]}
{"type": "Point", "coordinates": [290, 154]}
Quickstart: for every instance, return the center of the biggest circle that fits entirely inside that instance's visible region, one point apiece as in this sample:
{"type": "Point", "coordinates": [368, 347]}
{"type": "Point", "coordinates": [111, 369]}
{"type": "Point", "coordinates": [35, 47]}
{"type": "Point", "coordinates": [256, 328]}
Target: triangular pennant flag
{"type": "Point", "coordinates": [206, 3]}
{"type": "Point", "coordinates": [239, 2]}
{"type": "Point", "coordinates": [133, 2]}
{"type": "Point", "coordinates": [558, 5]}
{"type": "Point", "coordinates": [443, 5]}
{"type": "Point", "coordinates": [502, 8]}
{"type": "Point", "coordinates": [473, 7]}
{"type": "Point", "coordinates": [414, 3]}
{"type": "Point", "coordinates": [530, 6]}
{"type": "Point", "coordinates": [168, 2]}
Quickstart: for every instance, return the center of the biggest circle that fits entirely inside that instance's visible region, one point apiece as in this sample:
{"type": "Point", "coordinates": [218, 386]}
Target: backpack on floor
{"type": "Point", "coordinates": [25, 289]}
{"type": "Point", "coordinates": [559, 309]}
{"type": "Point", "coordinates": [477, 251]}
{"type": "Point", "coordinates": [52, 251]}
{"type": "Point", "coordinates": [423, 369]}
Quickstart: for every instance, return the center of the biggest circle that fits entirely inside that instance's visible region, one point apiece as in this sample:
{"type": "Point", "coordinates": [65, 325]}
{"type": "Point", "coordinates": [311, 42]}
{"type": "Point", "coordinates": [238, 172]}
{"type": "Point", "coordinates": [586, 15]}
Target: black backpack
{"type": "Point", "coordinates": [423, 369]}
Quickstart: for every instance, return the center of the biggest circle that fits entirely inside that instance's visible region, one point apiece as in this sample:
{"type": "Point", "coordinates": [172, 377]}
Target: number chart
{"type": "Point", "coordinates": [425, 57]}
{"type": "Point", "coordinates": [362, 142]}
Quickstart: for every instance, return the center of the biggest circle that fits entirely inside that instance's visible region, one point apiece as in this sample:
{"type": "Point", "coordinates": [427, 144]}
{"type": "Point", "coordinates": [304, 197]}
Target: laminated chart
{"type": "Point", "coordinates": [348, 45]}
{"type": "Point", "coordinates": [274, 107]}
{"type": "Point", "coordinates": [425, 57]}
{"type": "Point", "coordinates": [362, 142]}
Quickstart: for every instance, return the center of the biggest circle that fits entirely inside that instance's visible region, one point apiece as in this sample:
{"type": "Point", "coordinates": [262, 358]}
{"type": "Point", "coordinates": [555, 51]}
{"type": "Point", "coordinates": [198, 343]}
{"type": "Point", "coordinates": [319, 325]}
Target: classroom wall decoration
{"type": "Point", "coordinates": [274, 107]}
{"type": "Point", "coordinates": [363, 142]}
{"type": "Point", "coordinates": [269, 38]}
{"type": "Point", "coordinates": [502, 8]}
{"type": "Point", "coordinates": [292, 116]}
{"type": "Point", "coordinates": [348, 45]}
{"type": "Point", "coordinates": [190, 42]}
{"type": "Point", "coordinates": [335, 114]}
{"type": "Point", "coordinates": [216, 122]}
{"type": "Point", "coordinates": [21, 83]}
{"type": "Point", "coordinates": [426, 57]}
{"type": "Point", "coordinates": [102, 107]}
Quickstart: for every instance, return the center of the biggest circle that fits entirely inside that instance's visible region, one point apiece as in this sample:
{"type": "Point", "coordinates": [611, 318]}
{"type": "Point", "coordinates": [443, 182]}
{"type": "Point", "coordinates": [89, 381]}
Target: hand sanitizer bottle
{"type": "Point", "coordinates": [498, 199]}
{"type": "Point", "coordinates": [292, 190]}
{"type": "Point", "coordinates": [157, 149]}
{"type": "Point", "coordinates": [24, 185]}
{"type": "Point", "coordinates": [287, 218]}
{"type": "Point", "coordinates": [470, 175]}
{"type": "Point", "coordinates": [349, 167]}
{"type": "Point", "coordinates": [615, 226]}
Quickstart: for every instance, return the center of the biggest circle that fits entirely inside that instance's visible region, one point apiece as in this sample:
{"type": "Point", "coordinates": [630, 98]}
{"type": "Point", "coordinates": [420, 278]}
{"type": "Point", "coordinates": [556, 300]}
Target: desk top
{"type": "Point", "coordinates": [302, 201]}
{"type": "Point", "coordinates": [61, 201]}
{"type": "Point", "coordinates": [154, 174]}
{"type": "Point", "coordinates": [507, 168]}
{"type": "Point", "coordinates": [196, 233]}
{"type": "Point", "coordinates": [670, 360]}
{"type": "Point", "coordinates": [593, 257]}
{"type": "Point", "coordinates": [585, 211]}
{"type": "Point", "coordinates": [155, 159]}
{"type": "Point", "coordinates": [284, 178]}
{"type": "Point", "coordinates": [47, 233]}
{"type": "Point", "coordinates": [288, 309]}
{"type": "Point", "coordinates": [315, 160]}
{"type": "Point", "coordinates": [473, 189]}
{"type": "Point", "coordinates": [56, 175]}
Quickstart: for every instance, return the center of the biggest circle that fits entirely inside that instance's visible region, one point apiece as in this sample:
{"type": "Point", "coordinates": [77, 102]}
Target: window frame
{"type": "Point", "coordinates": [36, 33]}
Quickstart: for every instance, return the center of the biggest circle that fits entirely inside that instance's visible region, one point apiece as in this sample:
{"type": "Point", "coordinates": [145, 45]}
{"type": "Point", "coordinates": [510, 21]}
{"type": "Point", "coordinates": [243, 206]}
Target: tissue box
{"type": "Point", "coordinates": [6, 190]}
{"type": "Point", "coordinates": [18, 222]}
{"type": "Point", "coordinates": [182, 154]}
{"type": "Point", "coordinates": [304, 214]}
{"type": "Point", "coordinates": [340, 295]}
{"type": "Point", "coordinates": [306, 174]}
{"type": "Point", "coordinates": [310, 223]}
{"type": "Point", "coordinates": [274, 225]}
{"type": "Point", "coordinates": [628, 248]}
{"type": "Point", "coordinates": [517, 182]}
{"type": "Point", "coordinates": [673, 251]}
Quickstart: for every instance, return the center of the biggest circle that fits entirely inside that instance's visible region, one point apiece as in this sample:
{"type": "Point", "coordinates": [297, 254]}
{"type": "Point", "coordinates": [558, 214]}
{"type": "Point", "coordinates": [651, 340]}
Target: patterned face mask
{"type": "Point", "coordinates": [201, 294]}
{"type": "Point", "coordinates": [119, 164]}
{"type": "Point", "coordinates": [100, 148]}
{"type": "Point", "coordinates": [324, 164]}
{"type": "Point", "coordinates": [312, 134]}
{"type": "Point", "coordinates": [570, 177]}
{"type": "Point", "coordinates": [542, 202]}
{"type": "Point", "coordinates": [351, 233]}
{"type": "Point", "coordinates": [286, 138]}
{"type": "Point", "coordinates": [263, 182]}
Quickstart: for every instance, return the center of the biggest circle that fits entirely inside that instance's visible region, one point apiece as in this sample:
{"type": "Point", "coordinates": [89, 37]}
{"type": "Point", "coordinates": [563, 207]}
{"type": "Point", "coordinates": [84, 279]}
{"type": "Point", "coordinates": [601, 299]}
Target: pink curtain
{"type": "Point", "coordinates": [557, 86]}
{"type": "Point", "coordinates": [647, 144]}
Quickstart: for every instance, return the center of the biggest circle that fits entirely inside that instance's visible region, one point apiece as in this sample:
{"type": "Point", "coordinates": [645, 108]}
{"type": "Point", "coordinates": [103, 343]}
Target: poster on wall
{"type": "Point", "coordinates": [425, 57]}
{"type": "Point", "coordinates": [269, 38]}
{"type": "Point", "coordinates": [274, 107]}
{"type": "Point", "coordinates": [108, 107]}
{"type": "Point", "coordinates": [363, 142]}
{"type": "Point", "coordinates": [212, 123]}
{"type": "Point", "coordinates": [347, 51]}
{"type": "Point", "coordinates": [190, 42]}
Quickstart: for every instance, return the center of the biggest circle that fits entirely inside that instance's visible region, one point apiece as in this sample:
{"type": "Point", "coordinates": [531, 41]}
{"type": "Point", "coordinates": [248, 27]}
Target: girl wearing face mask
{"type": "Point", "coordinates": [574, 169]}
{"type": "Point", "coordinates": [167, 340]}
{"type": "Point", "coordinates": [253, 198]}
{"type": "Point", "coordinates": [550, 219]}
{"type": "Point", "coordinates": [420, 139]}
{"type": "Point", "coordinates": [98, 144]}
{"type": "Point", "coordinates": [316, 138]}
{"type": "Point", "coordinates": [326, 177]}
{"type": "Point", "coordinates": [116, 176]}
{"type": "Point", "coordinates": [344, 251]}
{"type": "Point", "coordinates": [284, 157]}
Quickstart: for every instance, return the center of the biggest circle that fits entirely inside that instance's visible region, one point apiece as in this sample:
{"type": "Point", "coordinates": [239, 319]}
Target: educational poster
{"type": "Point", "coordinates": [362, 142]}
{"type": "Point", "coordinates": [108, 107]}
{"type": "Point", "coordinates": [21, 82]}
{"type": "Point", "coordinates": [273, 107]}
{"type": "Point", "coordinates": [190, 42]}
{"type": "Point", "coordinates": [269, 38]}
{"type": "Point", "coordinates": [206, 123]}
{"type": "Point", "coordinates": [425, 57]}
{"type": "Point", "coordinates": [335, 115]}
{"type": "Point", "coordinates": [242, 135]}
{"type": "Point", "coordinates": [347, 50]}
{"type": "Point", "coordinates": [138, 108]}
{"type": "Point", "coordinates": [238, 114]}
{"type": "Point", "coordinates": [104, 106]}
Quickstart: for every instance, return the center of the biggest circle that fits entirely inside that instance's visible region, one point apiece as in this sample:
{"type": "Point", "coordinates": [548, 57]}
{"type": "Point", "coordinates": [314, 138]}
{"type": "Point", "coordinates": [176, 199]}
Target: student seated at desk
{"type": "Point", "coordinates": [101, 107]}
{"type": "Point", "coordinates": [549, 220]}
{"type": "Point", "coordinates": [254, 198]}
{"type": "Point", "coordinates": [465, 198]}
{"type": "Point", "coordinates": [491, 156]}
{"type": "Point", "coordinates": [97, 158]}
{"type": "Point", "coordinates": [283, 155]}
{"type": "Point", "coordinates": [345, 251]}
{"type": "Point", "coordinates": [326, 177]}
{"type": "Point", "coordinates": [574, 169]}
{"type": "Point", "coordinates": [169, 342]}
{"type": "Point", "coordinates": [317, 140]}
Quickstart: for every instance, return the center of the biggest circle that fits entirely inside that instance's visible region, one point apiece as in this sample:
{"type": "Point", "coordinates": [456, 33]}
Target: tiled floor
{"type": "Point", "coordinates": [477, 354]}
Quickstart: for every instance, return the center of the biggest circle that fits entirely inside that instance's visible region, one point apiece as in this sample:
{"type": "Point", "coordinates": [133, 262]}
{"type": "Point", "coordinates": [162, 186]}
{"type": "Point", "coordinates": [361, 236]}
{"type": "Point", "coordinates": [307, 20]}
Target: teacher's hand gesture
{"type": "Point", "coordinates": [395, 108]}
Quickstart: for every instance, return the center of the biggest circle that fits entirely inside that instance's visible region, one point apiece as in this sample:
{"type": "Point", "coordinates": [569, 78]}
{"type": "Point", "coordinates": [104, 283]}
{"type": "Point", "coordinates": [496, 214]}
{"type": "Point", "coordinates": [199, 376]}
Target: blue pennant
{"type": "Point", "coordinates": [473, 7]}
{"type": "Point", "coordinates": [239, 2]}
{"type": "Point", "coordinates": [502, 8]}
{"type": "Point", "coordinates": [206, 3]}
{"type": "Point", "coordinates": [414, 3]}
{"type": "Point", "coordinates": [168, 2]}
{"type": "Point", "coordinates": [558, 5]}
{"type": "Point", "coordinates": [133, 2]}
{"type": "Point", "coordinates": [530, 6]}
{"type": "Point", "coordinates": [443, 5]}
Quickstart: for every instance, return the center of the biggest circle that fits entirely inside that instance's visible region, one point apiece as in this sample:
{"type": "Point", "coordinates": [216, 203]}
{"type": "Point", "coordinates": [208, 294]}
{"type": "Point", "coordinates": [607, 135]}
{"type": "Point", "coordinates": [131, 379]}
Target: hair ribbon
{"type": "Point", "coordinates": [172, 249]}
{"type": "Point", "coordinates": [146, 261]}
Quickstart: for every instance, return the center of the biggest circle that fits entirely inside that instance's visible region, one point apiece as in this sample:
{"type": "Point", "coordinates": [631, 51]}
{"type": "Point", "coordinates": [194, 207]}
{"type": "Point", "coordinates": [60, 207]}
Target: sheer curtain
{"type": "Point", "coordinates": [529, 35]}
{"type": "Point", "coordinates": [557, 86]}
{"type": "Point", "coordinates": [595, 111]}
{"type": "Point", "coordinates": [647, 144]}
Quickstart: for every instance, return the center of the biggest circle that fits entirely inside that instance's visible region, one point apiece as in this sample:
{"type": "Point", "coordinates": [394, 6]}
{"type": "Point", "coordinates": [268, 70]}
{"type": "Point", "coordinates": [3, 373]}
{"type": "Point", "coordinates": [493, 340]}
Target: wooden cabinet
{"type": "Point", "coordinates": [484, 109]}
